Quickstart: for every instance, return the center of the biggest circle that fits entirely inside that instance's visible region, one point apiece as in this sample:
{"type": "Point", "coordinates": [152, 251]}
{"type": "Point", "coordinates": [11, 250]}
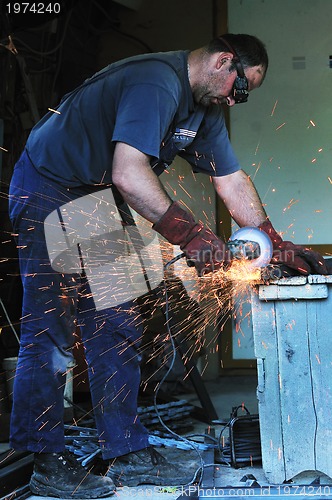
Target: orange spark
{"type": "Point", "coordinates": [274, 107]}
{"type": "Point", "coordinates": [290, 204]}
{"type": "Point", "coordinates": [54, 111]}
{"type": "Point", "coordinates": [189, 195]}
{"type": "Point", "coordinates": [43, 425]}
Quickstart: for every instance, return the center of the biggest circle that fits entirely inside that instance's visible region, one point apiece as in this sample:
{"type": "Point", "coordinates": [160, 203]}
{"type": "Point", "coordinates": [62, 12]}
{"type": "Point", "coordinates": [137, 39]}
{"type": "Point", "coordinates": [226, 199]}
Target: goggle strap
{"type": "Point", "coordinates": [236, 59]}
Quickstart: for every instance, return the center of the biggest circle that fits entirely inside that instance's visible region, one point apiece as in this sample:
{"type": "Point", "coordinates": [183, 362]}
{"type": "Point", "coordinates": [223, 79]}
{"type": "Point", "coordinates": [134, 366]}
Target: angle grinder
{"type": "Point", "coordinates": [252, 244]}
{"type": "Point", "coordinates": [247, 243]}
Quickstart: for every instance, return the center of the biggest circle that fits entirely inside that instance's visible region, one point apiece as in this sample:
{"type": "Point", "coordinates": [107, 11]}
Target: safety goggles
{"type": "Point", "coordinates": [240, 87]}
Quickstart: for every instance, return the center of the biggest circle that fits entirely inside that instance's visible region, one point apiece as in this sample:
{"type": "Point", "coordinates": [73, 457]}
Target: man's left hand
{"type": "Point", "coordinates": [303, 260]}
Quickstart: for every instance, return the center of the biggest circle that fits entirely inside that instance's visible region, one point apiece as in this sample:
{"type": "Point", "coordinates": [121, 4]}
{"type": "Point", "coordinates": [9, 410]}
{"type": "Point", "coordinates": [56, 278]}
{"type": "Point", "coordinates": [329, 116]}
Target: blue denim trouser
{"type": "Point", "coordinates": [54, 305]}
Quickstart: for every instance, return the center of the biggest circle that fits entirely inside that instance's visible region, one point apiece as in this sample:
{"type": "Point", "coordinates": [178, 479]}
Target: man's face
{"type": "Point", "coordinates": [217, 84]}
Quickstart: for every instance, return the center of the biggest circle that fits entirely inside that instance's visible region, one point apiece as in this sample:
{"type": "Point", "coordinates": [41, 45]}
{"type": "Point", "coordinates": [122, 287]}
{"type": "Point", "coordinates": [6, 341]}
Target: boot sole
{"type": "Point", "coordinates": [141, 481]}
{"type": "Point", "coordinates": [48, 491]}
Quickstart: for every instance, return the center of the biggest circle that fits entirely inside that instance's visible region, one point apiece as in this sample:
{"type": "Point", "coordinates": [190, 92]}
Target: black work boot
{"type": "Point", "coordinates": [60, 475]}
{"type": "Point", "coordinates": [147, 466]}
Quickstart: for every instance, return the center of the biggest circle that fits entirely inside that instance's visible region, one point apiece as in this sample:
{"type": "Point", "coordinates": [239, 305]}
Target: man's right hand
{"type": "Point", "coordinates": [201, 246]}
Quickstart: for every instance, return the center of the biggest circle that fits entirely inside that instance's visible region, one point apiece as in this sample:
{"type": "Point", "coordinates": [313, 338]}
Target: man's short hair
{"type": "Point", "coordinates": [250, 49]}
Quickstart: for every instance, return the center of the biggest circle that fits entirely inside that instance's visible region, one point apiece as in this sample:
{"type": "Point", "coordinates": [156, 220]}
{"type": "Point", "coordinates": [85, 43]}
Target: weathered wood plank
{"type": "Point", "coordinates": [263, 317]}
{"type": "Point", "coordinates": [319, 278]}
{"type": "Point", "coordinates": [320, 335]}
{"type": "Point", "coordinates": [294, 280]}
{"type": "Point", "coordinates": [293, 346]}
{"type": "Point", "coordinates": [296, 405]}
{"type": "Point", "coordinates": [289, 292]}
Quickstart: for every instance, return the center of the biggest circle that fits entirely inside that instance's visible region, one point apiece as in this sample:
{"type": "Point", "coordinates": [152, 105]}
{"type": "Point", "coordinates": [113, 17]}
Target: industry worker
{"type": "Point", "coordinates": [123, 126]}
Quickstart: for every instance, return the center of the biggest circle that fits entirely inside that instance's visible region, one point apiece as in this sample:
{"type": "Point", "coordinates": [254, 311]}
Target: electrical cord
{"type": "Point", "coordinates": [224, 449]}
{"type": "Point", "coordinates": [47, 52]}
{"type": "Point", "coordinates": [216, 441]}
{"type": "Point", "coordinates": [243, 444]}
{"type": "Point", "coordinates": [122, 33]}
{"type": "Point", "coordinates": [200, 469]}
{"type": "Point", "coordinates": [246, 448]}
{"type": "Point", "coordinates": [93, 451]}
{"type": "Point", "coordinates": [9, 322]}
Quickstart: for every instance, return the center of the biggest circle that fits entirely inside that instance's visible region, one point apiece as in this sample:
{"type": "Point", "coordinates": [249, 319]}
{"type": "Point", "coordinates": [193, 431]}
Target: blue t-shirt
{"type": "Point", "coordinates": [144, 101]}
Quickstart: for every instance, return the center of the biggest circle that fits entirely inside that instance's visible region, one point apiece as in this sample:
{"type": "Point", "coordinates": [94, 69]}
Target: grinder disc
{"type": "Point", "coordinates": [258, 236]}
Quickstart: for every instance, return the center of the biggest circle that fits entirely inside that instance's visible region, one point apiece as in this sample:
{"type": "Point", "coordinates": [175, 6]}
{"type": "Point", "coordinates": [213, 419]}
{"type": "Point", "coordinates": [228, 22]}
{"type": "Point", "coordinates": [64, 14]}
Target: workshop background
{"type": "Point", "coordinates": [282, 136]}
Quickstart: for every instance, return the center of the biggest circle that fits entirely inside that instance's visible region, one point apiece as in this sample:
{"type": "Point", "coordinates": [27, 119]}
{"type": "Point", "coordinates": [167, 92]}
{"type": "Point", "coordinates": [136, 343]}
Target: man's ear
{"type": "Point", "coordinates": [223, 59]}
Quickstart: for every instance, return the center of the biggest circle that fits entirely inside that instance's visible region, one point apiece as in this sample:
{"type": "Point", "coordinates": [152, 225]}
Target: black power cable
{"type": "Point", "coordinates": [243, 445]}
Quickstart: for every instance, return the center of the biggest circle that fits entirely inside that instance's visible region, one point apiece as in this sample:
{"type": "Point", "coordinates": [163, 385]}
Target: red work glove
{"type": "Point", "coordinates": [201, 246]}
{"type": "Point", "coordinates": [303, 260]}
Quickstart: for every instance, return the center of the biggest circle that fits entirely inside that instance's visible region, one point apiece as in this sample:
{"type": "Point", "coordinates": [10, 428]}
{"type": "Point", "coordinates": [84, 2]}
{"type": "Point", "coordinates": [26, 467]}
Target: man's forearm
{"type": "Point", "coordinates": [241, 198]}
{"type": "Point", "coordinates": [138, 184]}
